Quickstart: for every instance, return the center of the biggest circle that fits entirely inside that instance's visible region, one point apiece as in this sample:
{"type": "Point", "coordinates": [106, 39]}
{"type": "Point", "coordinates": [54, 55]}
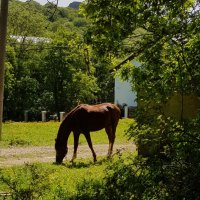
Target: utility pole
{"type": "Point", "coordinates": [3, 30]}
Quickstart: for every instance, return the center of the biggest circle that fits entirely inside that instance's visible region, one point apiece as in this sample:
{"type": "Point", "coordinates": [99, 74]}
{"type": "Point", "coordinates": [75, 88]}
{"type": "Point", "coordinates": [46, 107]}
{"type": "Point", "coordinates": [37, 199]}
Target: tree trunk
{"type": "Point", "coordinates": [3, 28]}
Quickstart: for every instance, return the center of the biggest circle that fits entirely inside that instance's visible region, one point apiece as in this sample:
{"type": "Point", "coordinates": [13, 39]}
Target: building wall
{"type": "Point", "coordinates": [187, 106]}
{"type": "Point", "coordinates": [124, 93]}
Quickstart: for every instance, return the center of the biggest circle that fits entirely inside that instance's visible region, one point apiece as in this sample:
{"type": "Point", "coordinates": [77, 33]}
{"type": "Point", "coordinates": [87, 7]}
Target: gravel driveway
{"type": "Point", "coordinates": [20, 155]}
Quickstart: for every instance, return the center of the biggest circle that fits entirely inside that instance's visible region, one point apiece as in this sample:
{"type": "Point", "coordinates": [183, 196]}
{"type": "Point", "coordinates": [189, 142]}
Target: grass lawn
{"type": "Point", "coordinates": [52, 181]}
{"type": "Point", "coordinates": [62, 179]}
{"type": "Point", "coordinates": [44, 134]}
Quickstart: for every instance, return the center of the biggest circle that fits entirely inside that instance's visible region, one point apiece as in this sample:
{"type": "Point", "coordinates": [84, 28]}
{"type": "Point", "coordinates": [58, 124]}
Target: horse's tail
{"type": "Point", "coordinates": [116, 109]}
{"type": "Point", "coordinates": [121, 110]}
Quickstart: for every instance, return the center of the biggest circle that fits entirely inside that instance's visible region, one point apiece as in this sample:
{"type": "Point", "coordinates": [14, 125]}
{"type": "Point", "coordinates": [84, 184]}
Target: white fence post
{"type": "Point", "coordinates": [126, 111]}
{"type": "Point", "coordinates": [61, 116]}
{"type": "Point", "coordinates": [44, 116]}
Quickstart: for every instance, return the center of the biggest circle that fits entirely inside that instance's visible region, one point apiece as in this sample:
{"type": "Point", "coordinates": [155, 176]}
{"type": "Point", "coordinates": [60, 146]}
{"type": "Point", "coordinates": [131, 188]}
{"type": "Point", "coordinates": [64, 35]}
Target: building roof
{"type": "Point", "coordinates": [29, 38]}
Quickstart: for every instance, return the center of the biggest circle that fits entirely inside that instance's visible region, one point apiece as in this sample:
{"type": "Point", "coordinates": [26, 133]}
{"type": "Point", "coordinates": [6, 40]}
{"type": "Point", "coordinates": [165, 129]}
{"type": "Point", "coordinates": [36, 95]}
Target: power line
{"type": "Point", "coordinates": [43, 48]}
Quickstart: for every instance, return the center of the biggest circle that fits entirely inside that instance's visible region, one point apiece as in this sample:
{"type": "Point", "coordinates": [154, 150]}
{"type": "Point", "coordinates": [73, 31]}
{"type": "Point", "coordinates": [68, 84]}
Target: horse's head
{"type": "Point", "coordinates": [61, 151]}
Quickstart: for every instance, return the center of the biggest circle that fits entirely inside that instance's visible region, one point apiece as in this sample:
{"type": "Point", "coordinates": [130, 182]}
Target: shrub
{"type": "Point", "coordinates": [29, 182]}
{"type": "Point", "coordinates": [170, 171]}
{"type": "Point", "coordinates": [90, 189]}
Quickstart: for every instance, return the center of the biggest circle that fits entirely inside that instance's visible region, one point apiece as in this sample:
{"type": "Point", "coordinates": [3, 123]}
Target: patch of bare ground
{"type": "Point", "coordinates": [20, 155]}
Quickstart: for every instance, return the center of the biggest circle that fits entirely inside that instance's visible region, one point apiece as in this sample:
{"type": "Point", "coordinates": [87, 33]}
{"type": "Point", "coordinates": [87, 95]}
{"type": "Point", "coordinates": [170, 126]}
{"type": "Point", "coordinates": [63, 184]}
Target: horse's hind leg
{"type": "Point", "coordinates": [89, 141]}
{"type": "Point", "coordinates": [111, 136]}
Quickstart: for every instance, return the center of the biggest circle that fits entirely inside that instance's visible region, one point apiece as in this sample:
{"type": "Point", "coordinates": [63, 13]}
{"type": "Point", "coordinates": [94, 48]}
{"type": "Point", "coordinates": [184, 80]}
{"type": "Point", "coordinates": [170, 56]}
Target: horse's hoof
{"type": "Point", "coordinates": [95, 160]}
{"type": "Point", "coordinates": [57, 163]}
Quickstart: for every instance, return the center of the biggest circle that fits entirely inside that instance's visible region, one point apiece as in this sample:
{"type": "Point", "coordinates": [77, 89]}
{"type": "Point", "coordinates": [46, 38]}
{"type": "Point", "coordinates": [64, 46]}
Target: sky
{"type": "Point", "coordinates": [61, 3]}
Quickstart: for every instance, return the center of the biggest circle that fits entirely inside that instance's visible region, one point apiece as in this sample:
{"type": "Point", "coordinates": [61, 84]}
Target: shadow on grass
{"type": "Point", "coordinates": [84, 163]}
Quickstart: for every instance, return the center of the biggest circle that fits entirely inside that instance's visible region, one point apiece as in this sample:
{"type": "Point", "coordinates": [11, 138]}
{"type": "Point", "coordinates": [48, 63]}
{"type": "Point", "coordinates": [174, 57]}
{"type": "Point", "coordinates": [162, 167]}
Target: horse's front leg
{"type": "Point", "coordinates": [89, 141]}
{"type": "Point", "coordinates": [76, 139]}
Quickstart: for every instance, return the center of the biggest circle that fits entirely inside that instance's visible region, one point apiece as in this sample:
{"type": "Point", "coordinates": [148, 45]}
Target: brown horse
{"type": "Point", "coordinates": [83, 119]}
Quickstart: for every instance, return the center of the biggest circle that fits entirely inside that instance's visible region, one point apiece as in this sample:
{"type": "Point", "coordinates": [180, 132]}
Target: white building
{"type": "Point", "coordinates": [30, 39]}
{"type": "Point", "coordinates": [124, 95]}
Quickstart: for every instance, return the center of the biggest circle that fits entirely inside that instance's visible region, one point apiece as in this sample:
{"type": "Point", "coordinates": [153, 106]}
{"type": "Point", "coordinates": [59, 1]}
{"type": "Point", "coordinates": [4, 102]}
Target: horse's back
{"type": "Point", "coordinates": [104, 109]}
{"type": "Point", "coordinates": [96, 117]}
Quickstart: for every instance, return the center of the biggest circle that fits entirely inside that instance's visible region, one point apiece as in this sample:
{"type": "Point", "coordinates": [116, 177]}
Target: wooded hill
{"type": "Point", "coordinates": [48, 64]}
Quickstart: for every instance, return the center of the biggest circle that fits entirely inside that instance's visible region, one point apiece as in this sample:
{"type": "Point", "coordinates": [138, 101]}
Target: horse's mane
{"type": "Point", "coordinates": [69, 114]}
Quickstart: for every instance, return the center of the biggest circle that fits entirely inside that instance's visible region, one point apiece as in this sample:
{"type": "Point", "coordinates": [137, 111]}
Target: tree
{"type": "Point", "coordinates": [164, 37]}
{"type": "Point", "coordinates": [26, 30]}
{"type": "Point", "coordinates": [67, 81]}
{"type": "Point", "coordinates": [35, 46]}
{"type": "Point", "coordinates": [3, 30]}
{"type": "Point", "coordinates": [22, 82]}
{"type": "Point", "coordinates": [37, 51]}
{"type": "Point", "coordinates": [105, 79]}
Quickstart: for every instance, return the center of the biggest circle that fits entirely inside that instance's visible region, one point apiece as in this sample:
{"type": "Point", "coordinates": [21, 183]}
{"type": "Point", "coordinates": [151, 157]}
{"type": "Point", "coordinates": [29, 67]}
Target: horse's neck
{"type": "Point", "coordinates": [63, 133]}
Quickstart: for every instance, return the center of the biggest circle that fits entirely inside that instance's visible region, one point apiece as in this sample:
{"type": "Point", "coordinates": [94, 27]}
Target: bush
{"type": "Point", "coordinates": [170, 171]}
{"type": "Point", "coordinates": [29, 182]}
{"type": "Point", "coordinates": [124, 179]}
{"type": "Point", "coordinates": [90, 189]}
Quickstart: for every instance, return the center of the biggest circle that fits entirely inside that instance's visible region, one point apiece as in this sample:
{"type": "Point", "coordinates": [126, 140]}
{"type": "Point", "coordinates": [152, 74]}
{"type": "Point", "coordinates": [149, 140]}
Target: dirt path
{"type": "Point", "coordinates": [20, 155]}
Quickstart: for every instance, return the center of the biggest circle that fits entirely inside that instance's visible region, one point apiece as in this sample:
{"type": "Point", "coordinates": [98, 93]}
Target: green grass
{"type": "Point", "coordinates": [54, 181]}
{"type": "Point", "coordinates": [64, 177]}
{"type": "Point", "coordinates": [62, 181]}
{"type": "Point", "coordinates": [44, 134]}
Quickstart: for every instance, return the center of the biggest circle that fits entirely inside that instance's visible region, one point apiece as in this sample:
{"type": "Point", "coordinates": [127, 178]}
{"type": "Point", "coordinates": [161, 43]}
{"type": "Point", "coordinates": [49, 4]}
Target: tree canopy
{"type": "Point", "coordinates": [49, 65]}
{"type": "Point", "coordinates": [164, 37]}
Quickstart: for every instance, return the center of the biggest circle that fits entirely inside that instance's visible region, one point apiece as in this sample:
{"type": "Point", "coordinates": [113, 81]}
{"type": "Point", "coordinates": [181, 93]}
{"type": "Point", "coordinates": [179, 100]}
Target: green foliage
{"type": "Point", "coordinates": [90, 189]}
{"type": "Point", "coordinates": [170, 172]}
{"type": "Point", "coordinates": [49, 181]}
{"type": "Point", "coordinates": [123, 180]}
{"type": "Point", "coordinates": [105, 79]}
{"type": "Point", "coordinates": [175, 164]}
{"type": "Point", "coordinates": [47, 64]}
{"type": "Point", "coordinates": [80, 22]}
{"type": "Point", "coordinates": [29, 182]}
{"type": "Point", "coordinates": [80, 81]}
{"type": "Point", "coordinates": [18, 142]}
{"type": "Point", "coordinates": [24, 20]}
{"type": "Point", "coordinates": [66, 73]}
{"type": "Point", "coordinates": [164, 37]}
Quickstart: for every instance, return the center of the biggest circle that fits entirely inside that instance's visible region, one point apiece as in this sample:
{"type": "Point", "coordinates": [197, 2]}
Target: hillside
{"type": "Point", "coordinates": [74, 5]}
